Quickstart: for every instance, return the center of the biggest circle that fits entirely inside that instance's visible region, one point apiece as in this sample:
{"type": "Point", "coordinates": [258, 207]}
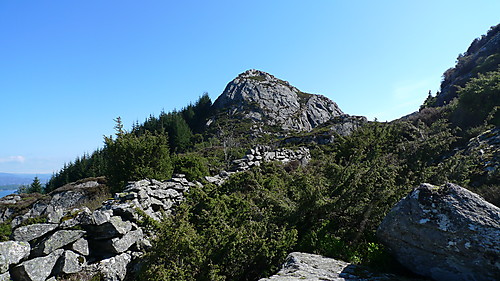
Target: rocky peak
{"type": "Point", "coordinates": [261, 97]}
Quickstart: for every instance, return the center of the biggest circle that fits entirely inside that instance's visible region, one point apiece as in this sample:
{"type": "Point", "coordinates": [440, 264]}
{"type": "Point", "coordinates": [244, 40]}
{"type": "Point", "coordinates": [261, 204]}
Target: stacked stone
{"type": "Point", "coordinates": [105, 240]}
{"type": "Point", "coordinates": [153, 197]}
{"type": "Point", "coordinates": [262, 153]}
{"type": "Point", "coordinates": [108, 239]}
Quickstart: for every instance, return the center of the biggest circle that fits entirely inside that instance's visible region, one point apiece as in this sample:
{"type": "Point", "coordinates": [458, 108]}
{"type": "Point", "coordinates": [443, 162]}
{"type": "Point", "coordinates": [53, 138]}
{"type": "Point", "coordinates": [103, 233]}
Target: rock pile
{"type": "Point", "coordinates": [108, 240]}
{"type": "Point", "coordinates": [260, 154]}
{"type": "Point", "coordinates": [264, 153]}
{"type": "Point", "coordinates": [446, 233]}
{"type": "Point", "coordinates": [105, 240]}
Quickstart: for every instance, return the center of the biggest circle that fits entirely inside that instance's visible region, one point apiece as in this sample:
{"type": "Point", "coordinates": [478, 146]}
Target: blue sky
{"type": "Point", "coordinates": [68, 68]}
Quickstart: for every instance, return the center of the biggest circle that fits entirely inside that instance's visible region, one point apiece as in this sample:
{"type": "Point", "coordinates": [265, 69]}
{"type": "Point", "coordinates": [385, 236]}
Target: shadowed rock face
{"type": "Point", "coordinates": [264, 98]}
{"type": "Point", "coordinates": [446, 233]}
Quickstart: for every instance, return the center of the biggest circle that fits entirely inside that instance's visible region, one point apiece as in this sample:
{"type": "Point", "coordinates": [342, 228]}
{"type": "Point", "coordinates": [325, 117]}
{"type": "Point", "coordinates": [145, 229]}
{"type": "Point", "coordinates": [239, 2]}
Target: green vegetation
{"type": "Point", "coordinates": [244, 229]}
{"type": "Point", "coordinates": [478, 102]}
{"type": "Point", "coordinates": [5, 230]}
{"type": "Point", "coordinates": [132, 157]}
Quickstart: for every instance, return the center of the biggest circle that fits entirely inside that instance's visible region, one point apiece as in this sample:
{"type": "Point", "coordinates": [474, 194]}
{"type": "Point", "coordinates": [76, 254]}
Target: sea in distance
{"type": "Point", "coordinates": [5, 192]}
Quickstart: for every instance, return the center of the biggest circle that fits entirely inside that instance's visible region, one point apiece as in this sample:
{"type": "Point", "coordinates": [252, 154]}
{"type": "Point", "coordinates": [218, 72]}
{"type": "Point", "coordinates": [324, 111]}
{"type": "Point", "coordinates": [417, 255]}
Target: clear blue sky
{"type": "Point", "coordinates": [68, 68]}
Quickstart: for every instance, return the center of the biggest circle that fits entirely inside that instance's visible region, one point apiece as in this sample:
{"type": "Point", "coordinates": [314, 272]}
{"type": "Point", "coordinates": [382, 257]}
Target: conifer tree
{"type": "Point", "coordinates": [36, 186]}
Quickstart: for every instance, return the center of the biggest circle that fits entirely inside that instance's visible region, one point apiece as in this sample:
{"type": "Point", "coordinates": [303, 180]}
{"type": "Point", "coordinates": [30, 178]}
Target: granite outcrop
{"type": "Point", "coordinates": [261, 97]}
{"type": "Point", "coordinates": [444, 232]}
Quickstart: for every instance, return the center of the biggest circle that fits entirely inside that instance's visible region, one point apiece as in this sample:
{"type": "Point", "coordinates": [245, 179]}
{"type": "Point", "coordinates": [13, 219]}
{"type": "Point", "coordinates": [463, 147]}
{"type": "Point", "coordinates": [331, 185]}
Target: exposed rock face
{"type": "Point", "coordinates": [485, 48]}
{"type": "Point", "coordinates": [264, 98]}
{"type": "Point", "coordinates": [302, 266]}
{"type": "Point", "coordinates": [446, 233]}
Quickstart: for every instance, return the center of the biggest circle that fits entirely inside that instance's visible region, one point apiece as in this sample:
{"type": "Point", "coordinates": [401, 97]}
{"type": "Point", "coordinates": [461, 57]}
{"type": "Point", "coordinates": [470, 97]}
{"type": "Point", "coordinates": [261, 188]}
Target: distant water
{"type": "Point", "coordinates": [5, 192]}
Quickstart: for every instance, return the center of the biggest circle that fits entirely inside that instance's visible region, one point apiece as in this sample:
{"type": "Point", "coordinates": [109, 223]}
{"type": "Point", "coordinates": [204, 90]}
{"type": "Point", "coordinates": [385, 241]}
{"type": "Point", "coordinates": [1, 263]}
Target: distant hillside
{"type": "Point", "coordinates": [8, 181]}
{"type": "Point", "coordinates": [483, 55]}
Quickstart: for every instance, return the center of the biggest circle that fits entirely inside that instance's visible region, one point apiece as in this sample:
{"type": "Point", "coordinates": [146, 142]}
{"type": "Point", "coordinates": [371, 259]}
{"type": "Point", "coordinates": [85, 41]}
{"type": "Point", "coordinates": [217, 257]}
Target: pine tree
{"type": "Point", "coordinates": [36, 186]}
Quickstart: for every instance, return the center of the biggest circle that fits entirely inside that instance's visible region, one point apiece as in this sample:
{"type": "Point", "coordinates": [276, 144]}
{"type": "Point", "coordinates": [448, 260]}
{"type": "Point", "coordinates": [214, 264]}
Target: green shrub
{"type": "Point", "coordinates": [5, 230]}
{"type": "Point", "coordinates": [192, 165]}
{"type": "Point", "coordinates": [131, 157]}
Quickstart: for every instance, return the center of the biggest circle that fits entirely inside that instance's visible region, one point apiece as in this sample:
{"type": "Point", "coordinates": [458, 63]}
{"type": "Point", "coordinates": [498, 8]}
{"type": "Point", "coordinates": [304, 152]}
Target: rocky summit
{"type": "Point", "coordinates": [261, 97]}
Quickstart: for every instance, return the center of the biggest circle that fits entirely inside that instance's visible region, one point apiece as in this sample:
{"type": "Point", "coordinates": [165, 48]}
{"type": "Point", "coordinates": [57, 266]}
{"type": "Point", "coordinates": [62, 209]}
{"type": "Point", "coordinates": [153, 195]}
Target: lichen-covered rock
{"type": "Point", "coordinates": [446, 233]}
{"type": "Point", "coordinates": [264, 98]}
{"type": "Point", "coordinates": [81, 246]}
{"type": "Point", "coordinates": [12, 252]}
{"type": "Point", "coordinates": [69, 262]}
{"type": "Point", "coordinates": [33, 231]}
{"type": "Point", "coordinates": [114, 227]}
{"type": "Point", "coordinates": [5, 276]}
{"type": "Point", "coordinates": [122, 244]}
{"type": "Point", "coordinates": [57, 240]}
{"type": "Point", "coordinates": [303, 266]}
{"type": "Point", "coordinates": [114, 268]}
{"type": "Point", "coordinates": [37, 269]}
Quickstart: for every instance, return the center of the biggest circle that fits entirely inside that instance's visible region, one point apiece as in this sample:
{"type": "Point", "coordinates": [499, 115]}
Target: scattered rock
{"type": "Point", "coordinates": [446, 233]}
{"type": "Point", "coordinates": [12, 252]}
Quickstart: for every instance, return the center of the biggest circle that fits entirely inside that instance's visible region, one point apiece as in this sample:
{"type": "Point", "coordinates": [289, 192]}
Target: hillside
{"type": "Point", "coordinates": [226, 190]}
{"type": "Point", "coordinates": [482, 56]}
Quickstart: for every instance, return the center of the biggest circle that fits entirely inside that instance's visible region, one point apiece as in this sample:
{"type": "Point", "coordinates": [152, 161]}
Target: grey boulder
{"type": "Point", "coordinates": [57, 240]}
{"type": "Point", "coordinates": [69, 262]}
{"type": "Point", "coordinates": [37, 269]}
{"type": "Point", "coordinates": [115, 226]}
{"type": "Point", "coordinates": [303, 266]}
{"type": "Point", "coordinates": [12, 252]}
{"type": "Point", "coordinates": [81, 246]}
{"type": "Point", "coordinates": [33, 231]}
{"type": "Point", "coordinates": [115, 268]}
{"type": "Point", "coordinates": [446, 233]}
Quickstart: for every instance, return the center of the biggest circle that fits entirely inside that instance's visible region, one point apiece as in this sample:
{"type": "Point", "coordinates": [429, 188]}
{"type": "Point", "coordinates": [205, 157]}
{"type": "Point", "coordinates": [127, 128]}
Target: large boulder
{"type": "Point", "coordinates": [114, 227]}
{"type": "Point", "coordinates": [446, 233]}
{"type": "Point", "coordinates": [57, 240]}
{"type": "Point", "coordinates": [70, 262]}
{"type": "Point", "coordinates": [303, 266]}
{"type": "Point", "coordinates": [114, 268]}
{"type": "Point", "coordinates": [32, 231]}
{"type": "Point", "coordinates": [12, 252]}
{"type": "Point", "coordinates": [120, 245]}
{"type": "Point", "coordinates": [5, 276]}
{"type": "Point", "coordinates": [37, 269]}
